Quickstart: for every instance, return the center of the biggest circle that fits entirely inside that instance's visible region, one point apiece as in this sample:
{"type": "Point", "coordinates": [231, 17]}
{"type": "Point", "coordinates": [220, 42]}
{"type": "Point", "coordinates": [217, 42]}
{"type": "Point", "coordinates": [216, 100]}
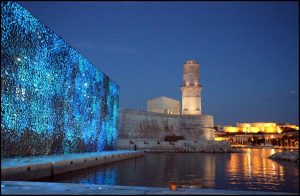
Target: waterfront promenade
{"type": "Point", "coordinates": [41, 188]}
{"type": "Point", "coordinates": [30, 168]}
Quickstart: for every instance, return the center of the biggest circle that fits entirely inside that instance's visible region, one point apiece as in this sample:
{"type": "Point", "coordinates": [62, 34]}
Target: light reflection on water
{"type": "Point", "coordinates": [260, 173]}
{"type": "Point", "coordinates": [251, 170]}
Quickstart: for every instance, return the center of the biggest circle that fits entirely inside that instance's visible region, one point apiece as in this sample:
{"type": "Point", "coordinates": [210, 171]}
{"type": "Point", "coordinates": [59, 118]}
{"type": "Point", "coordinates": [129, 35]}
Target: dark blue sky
{"type": "Point", "coordinates": [248, 51]}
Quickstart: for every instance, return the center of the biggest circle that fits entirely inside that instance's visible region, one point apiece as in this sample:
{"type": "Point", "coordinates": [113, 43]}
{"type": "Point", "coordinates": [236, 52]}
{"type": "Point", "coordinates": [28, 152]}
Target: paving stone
{"type": "Point", "coordinates": [49, 188]}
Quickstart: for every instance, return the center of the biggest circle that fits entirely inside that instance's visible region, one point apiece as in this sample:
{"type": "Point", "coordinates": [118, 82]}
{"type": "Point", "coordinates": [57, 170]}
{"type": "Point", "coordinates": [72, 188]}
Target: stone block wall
{"type": "Point", "coordinates": [146, 125]}
{"type": "Point", "coordinates": [149, 129]}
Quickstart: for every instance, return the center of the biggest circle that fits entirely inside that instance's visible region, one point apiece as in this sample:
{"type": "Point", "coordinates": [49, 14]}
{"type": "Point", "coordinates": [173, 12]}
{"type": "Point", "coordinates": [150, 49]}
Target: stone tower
{"type": "Point", "coordinates": [191, 89]}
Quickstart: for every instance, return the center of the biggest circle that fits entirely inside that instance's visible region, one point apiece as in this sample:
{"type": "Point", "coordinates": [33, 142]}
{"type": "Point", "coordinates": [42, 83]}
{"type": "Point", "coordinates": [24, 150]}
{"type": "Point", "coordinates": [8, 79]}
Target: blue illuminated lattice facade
{"type": "Point", "coordinates": [53, 100]}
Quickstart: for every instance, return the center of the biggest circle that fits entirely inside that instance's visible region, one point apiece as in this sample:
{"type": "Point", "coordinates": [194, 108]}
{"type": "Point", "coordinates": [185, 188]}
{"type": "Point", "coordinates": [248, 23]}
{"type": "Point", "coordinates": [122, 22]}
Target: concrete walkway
{"type": "Point", "coordinates": [46, 188]}
{"type": "Point", "coordinates": [29, 168]}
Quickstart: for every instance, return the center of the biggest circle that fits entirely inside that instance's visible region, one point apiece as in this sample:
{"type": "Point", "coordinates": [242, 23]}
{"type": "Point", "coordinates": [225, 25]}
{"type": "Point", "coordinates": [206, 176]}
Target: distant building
{"type": "Point", "coordinates": [261, 134]}
{"type": "Point", "coordinates": [163, 105]}
{"type": "Point", "coordinates": [263, 127]}
{"type": "Point", "coordinates": [230, 129]}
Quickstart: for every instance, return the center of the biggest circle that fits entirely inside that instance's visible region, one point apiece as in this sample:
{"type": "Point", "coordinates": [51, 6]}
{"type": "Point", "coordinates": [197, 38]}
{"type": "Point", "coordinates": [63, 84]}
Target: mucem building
{"type": "Point", "coordinates": [53, 100]}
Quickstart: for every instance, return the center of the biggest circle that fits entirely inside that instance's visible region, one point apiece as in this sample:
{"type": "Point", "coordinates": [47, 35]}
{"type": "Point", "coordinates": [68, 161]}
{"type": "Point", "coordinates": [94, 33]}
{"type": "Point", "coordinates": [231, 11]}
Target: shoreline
{"type": "Point", "coordinates": [50, 188]}
{"type": "Point", "coordinates": [263, 147]}
{"type": "Point", "coordinates": [31, 168]}
{"type": "Point", "coordinates": [192, 150]}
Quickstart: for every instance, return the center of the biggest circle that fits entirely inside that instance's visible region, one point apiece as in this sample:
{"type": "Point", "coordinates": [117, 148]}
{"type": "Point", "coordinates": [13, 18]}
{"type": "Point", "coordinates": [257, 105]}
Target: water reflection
{"type": "Point", "coordinates": [255, 170]}
{"type": "Point", "coordinates": [251, 170]}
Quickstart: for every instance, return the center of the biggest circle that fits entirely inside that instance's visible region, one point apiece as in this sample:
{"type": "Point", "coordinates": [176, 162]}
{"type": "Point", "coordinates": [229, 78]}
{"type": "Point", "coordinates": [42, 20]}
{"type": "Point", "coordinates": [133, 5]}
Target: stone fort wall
{"type": "Point", "coordinates": [150, 129]}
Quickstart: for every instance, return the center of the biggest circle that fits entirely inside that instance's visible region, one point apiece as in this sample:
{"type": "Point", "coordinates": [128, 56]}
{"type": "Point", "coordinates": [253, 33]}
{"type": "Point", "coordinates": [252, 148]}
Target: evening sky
{"type": "Point", "coordinates": [248, 51]}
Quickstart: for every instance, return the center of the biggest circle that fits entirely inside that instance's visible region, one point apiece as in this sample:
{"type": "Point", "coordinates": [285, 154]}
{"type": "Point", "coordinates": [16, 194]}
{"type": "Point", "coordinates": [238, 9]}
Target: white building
{"type": "Point", "coordinates": [163, 105]}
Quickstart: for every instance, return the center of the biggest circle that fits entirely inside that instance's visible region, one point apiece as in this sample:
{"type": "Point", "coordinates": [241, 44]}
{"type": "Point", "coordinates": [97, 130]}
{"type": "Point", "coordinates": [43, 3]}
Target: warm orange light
{"type": "Point", "coordinates": [173, 186]}
{"type": "Point", "coordinates": [255, 129]}
{"type": "Point", "coordinates": [264, 127]}
{"type": "Point", "coordinates": [219, 138]}
{"type": "Point", "coordinates": [279, 130]}
{"type": "Point", "coordinates": [230, 129]}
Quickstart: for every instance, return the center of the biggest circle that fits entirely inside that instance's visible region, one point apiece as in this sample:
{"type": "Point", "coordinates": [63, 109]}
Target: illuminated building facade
{"type": "Point", "coordinates": [53, 100]}
{"type": "Point", "coordinates": [267, 133]}
{"type": "Point", "coordinates": [191, 89]}
{"type": "Point", "coordinates": [259, 127]}
{"type": "Point", "coordinates": [263, 127]}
